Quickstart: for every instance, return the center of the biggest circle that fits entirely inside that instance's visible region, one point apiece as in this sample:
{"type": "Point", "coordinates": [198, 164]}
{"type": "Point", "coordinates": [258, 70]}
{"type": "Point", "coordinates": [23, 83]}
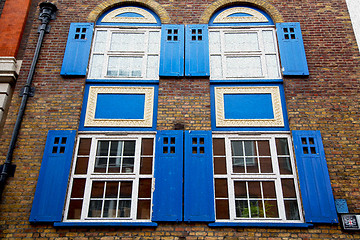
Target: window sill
{"type": "Point", "coordinates": [252, 224]}
{"type": "Point", "coordinates": [121, 81]}
{"type": "Point", "coordinates": [253, 80]}
{"type": "Point", "coordinates": [105, 224]}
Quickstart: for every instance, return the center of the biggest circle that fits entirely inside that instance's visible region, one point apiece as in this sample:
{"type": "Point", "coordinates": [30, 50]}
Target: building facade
{"type": "Point", "coordinates": [184, 120]}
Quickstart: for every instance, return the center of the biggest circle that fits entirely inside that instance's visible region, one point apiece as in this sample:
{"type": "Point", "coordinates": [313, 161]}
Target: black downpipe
{"type": "Point", "coordinates": [47, 13]}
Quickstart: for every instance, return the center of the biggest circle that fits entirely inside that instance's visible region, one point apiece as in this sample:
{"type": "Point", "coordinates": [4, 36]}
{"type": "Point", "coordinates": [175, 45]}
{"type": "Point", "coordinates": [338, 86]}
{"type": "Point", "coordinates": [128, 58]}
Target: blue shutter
{"type": "Point", "coordinates": [51, 187]}
{"type": "Point", "coordinates": [292, 51]}
{"type": "Point", "coordinates": [197, 50]}
{"type": "Point", "coordinates": [316, 192]}
{"type": "Point", "coordinates": [168, 194]}
{"type": "Point", "coordinates": [172, 50]}
{"type": "Point", "coordinates": [198, 177]}
{"type": "Point", "coordinates": [77, 50]}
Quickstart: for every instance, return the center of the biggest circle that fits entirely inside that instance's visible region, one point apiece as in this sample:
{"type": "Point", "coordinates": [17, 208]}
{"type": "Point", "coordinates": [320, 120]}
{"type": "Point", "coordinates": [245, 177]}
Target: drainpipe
{"type": "Point", "coordinates": [47, 13]}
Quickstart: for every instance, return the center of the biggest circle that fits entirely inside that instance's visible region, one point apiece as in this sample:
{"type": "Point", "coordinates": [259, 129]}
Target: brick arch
{"type": "Point", "coordinates": [261, 4]}
{"type": "Point", "coordinates": [151, 4]}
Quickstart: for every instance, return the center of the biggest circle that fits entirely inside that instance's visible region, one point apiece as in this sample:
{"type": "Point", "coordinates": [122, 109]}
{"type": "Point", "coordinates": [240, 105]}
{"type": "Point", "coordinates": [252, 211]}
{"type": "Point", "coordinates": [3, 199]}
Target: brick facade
{"type": "Point", "coordinates": [327, 100]}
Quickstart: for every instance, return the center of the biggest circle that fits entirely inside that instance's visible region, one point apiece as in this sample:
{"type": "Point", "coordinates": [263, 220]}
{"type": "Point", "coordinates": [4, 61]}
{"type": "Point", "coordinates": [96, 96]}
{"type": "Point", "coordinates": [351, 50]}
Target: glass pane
{"type": "Point", "coordinates": [152, 67]}
{"type": "Point", "coordinates": [250, 148]}
{"type": "Point", "coordinates": [291, 209]}
{"type": "Point", "coordinates": [146, 165]}
{"type": "Point", "coordinates": [252, 165]}
{"type": "Point", "coordinates": [143, 211]}
{"type": "Point", "coordinates": [222, 209]}
{"type": "Point", "coordinates": [128, 165]}
{"type": "Point", "coordinates": [285, 165]}
{"type": "Point", "coordinates": [243, 66]}
{"type": "Point", "coordinates": [147, 146]}
{"type": "Point", "coordinates": [282, 146]}
{"type": "Point", "coordinates": [154, 42]}
{"type": "Point", "coordinates": [116, 148]}
{"type": "Point", "coordinates": [100, 165]}
{"type": "Point", "coordinates": [75, 209]}
{"type": "Point", "coordinates": [272, 66]}
{"type": "Point", "coordinates": [129, 148]}
{"type": "Point", "coordinates": [241, 41]}
{"type": "Point", "coordinates": [269, 43]}
{"type": "Point", "coordinates": [221, 188]}
{"type": "Point", "coordinates": [97, 189]}
{"type": "Point", "coordinates": [238, 165]}
{"type": "Point", "coordinates": [220, 165]}
{"type": "Point", "coordinates": [96, 66]}
{"type": "Point", "coordinates": [100, 41]}
{"type": "Point", "coordinates": [125, 66]}
{"type": "Point", "coordinates": [264, 148]}
{"type": "Point", "coordinates": [242, 208]}
{"type": "Point", "coordinates": [95, 208]}
{"type": "Point", "coordinates": [256, 208]}
{"type": "Point", "coordinates": [127, 42]}
{"type": "Point", "coordinates": [81, 165]}
{"type": "Point", "coordinates": [145, 188]}
{"type": "Point", "coordinates": [124, 208]}
{"type": "Point", "coordinates": [271, 209]}
{"type": "Point", "coordinates": [216, 67]}
{"type": "Point", "coordinates": [114, 165]}
{"type": "Point", "coordinates": [288, 188]}
{"type": "Point", "coordinates": [214, 42]}
{"type": "Point", "coordinates": [111, 190]}
{"type": "Point", "coordinates": [237, 148]}
{"type": "Point", "coordinates": [254, 189]}
{"type": "Point", "coordinates": [84, 146]}
{"type": "Point", "coordinates": [240, 189]}
{"type": "Point", "coordinates": [125, 189]}
{"type": "Point", "coordinates": [78, 188]}
{"type": "Point", "coordinates": [269, 189]}
{"type": "Point", "coordinates": [266, 165]}
{"type": "Point", "coordinates": [110, 209]}
{"type": "Point", "coordinates": [103, 148]}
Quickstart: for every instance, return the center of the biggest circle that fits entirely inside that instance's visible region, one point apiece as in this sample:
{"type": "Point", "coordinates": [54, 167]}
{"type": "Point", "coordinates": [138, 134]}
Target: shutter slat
{"type": "Point", "coordinates": [291, 47]}
{"type": "Point", "coordinates": [172, 50]}
{"type": "Point", "coordinates": [198, 177]}
{"type": "Point", "coordinates": [77, 50]}
{"type": "Point", "coordinates": [197, 50]}
{"type": "Point", "coordinates": [315, 185]}
{"type": "Point", "coordinates": [167, 200]}
{"type": "Point", "coordinates": [52, 183]}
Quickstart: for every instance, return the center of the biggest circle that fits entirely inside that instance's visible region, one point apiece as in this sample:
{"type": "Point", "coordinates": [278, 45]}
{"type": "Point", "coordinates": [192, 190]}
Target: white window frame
{"type": "Point", "coordinates": [145, 54]}
{"type": "Point", "coordinates": [256, 53]}
{"type": "Point", "coordinates": [91, 177]}
{"type": "Point", "coordinates": [275, 176]}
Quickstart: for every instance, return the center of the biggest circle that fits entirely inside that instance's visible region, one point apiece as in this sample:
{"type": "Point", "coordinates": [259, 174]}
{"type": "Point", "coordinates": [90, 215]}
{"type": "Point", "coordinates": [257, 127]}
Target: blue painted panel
{"type": "Point", "coordinates": [198, 177]}
{"type": "Point", "coordinates": [172, 50]}
{"type": "Point", "coordinates": [77, 50]}
{"type": "Point", "coordinates": [316, 192]}
{"type": "Point", "coordinates": [254, 224]}
{"type": "Point", "coordinates": [291, 47]}
{"type": "Point", "coordinates": [248, 106]}
{"type": "Point", "coordinates": [51, 187]}
{"type": "Point", "coordinates": [120, 106]}
{"type": "Point", "coordinates": [283, 104]}
{"type": "Point", "coordinates": [270, 21]}
{"type": "Point", "coordinates": [168, 173]}
{"type": "Point", "coordinates": [105, 224]}
{"type": "Point", "coordinates": [129, 14]}
{"type": "Point", "coordinates": [85, 100]}
{"type": "Point", "coordinates": [197, 50]}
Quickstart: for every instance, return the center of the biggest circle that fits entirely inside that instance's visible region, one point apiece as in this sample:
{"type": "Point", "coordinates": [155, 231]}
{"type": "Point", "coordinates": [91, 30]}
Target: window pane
{"type": "Point", "coordinates": [81, 165]}
{"type": "Point", "coordinates": [214, 42]}
{"type": "Point", "coordinates": [237, 148]}
{"type": "Point", "coordinates": [97, 189]}
{"type": "Point", "coordinates": [269, 189]}
{"type": "Point", "coordinates": [95, 208]}
{"type": "Point", "coordinates": [145, 188]}
{"type": "Point", "coordinates": [240, 189]}
{"type": "Point", "coordinates": [222, 209]}
{"type": "Point", "coordinates": [252, 165]}
{"type": "Point", "coordinates": [110, 209]}
{"type": "Point", "coordinates": [100, 41]}
{"type": "Point", "coordinates": [291, 209]}
{"type": "Point", "coordinates": [128, 165]}
{"type": "Point", "coordinates": [78, 188]}
{"type": "Point", "coordinates": [96, 66]}
{"type": "Point", "coordinates": [269, 43]}
{"type": "Point", "coordinates": [266, 165]}
{"type": "Point", "coordinates": [219, 165]}
{"type": "Point", "coordinates": [256, 208]}
{"type": "Point", "coordinates": [116, 148]}
{"type": "Point", "coordinates": [114, 165]}
{"type": "Point", "coordinates": [221, 188]}
{"type": "Point", "coordinates": [241, 41]}
{"type": "Point", "coordinates": [124, 208]}
{"type": "Point", "coordinates": [100, 165]}
{"type": "Point", "coordinates": [219, 146]}
{"type": "Point", "coordinates": [288, 188]}
{"type": "Point", "coordinates": [143, 211]}
{"type": "Point", "coordinates": [75, 209]}
{"type": "Point", "coordinates": [216, 67]}
{"type": "Point", "coordinates": [264, 148]}
{"type": "Point", "coordinates": [127, 42]}
{"type": "Point", "coordinates": [238, 165]}
{"type": "Point", "coordinates": [125, 66]}
{"type": "Point", "coordinates": [243, 66]}
{"type": "Point", "coordinates": [285, 165]}
{"type": "Point", "coordinates": [125, 189]}
{"type": "Point", "coordinates": [152, 67]}
{"type": "Point", "coordinates": [146, 165]}
{"type": "Point", "coordinates": [271, 209]}
{"type": "Point", "coordinates": [250, 148]}
{"type": "Point", "coordinates": [272, 66]}
{"type": "Point", "coordinates": [103, 148]}
{"type": "Point", "coordinates": [242, 209]}
{"type": "Point", "coordinates": [147, 146]}
{"type": "Point", "coordinates": [129, 148]}
{"type": "Point", "coordinates": [84, 146]}
{"type": "Point", "coordinates": [111, 190]}
{"type": "Point", "coordinates": [254, 189]}
{"type": "Point", "coordinates": [154, 42]}
{"type": "Point", "coordinates": [282, 146]}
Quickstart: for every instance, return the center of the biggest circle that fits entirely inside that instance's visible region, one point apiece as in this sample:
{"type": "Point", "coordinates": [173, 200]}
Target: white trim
{"type": "Point", "coordinates": [112, 16]}
{"type": "Point", "coordinates": [224, 16]}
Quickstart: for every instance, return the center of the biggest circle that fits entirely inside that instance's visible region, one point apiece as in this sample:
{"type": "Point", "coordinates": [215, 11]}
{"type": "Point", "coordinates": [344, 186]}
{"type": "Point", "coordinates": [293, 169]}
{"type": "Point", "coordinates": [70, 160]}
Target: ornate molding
{"type": "Point", "coordinates": [91, 121]}
{"type": "Point", "coordinates": [256, 16]}
{"type": "Point", "coordinates": [112, 16]}
{"type": "Point", "coordinates": [278, 120]}
{"type": "Point", "coordinates": [9, 69]}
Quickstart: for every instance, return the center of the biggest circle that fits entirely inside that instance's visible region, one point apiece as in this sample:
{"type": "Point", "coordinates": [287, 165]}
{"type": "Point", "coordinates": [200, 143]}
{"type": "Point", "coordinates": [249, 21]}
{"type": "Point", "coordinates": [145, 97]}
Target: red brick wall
{"type": "Point", "coordinates": [327, 100]}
